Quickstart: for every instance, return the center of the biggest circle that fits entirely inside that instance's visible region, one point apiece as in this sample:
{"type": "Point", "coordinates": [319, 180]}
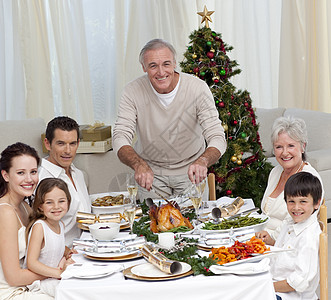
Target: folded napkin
{"type": "Point", "coordinates": [242, 268]}
{"type": "Point", "coordinates": [89, 270]}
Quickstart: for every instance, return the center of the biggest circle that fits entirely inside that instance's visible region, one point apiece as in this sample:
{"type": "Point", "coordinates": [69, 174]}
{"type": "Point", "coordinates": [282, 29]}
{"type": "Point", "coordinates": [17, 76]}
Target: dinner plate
{"type": "Point", "coordinates": [123, 225]}
{"type": "Point", "coordinates": [93, 276]}
{"type": "Point", "coordinates": [128, 274]}
{"type": "Point", "coordinates": [256, 227]}
{"type": "Point", "coordinates": [110, 254]}
{"type": "Point", "coordinates": [151, 271]}
{"type": "Point", "coordinates": [116, 258]}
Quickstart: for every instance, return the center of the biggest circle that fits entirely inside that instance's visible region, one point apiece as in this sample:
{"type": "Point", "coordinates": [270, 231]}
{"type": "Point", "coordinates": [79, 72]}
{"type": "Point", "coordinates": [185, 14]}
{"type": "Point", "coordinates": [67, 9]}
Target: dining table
{"type": "Point", "coordinates": [200, 287]}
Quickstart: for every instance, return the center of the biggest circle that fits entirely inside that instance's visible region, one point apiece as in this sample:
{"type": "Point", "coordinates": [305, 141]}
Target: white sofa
{"type": "Point", "coordinates": [319, 140]}
{"type": "Point", "coordinates": [104, 172]}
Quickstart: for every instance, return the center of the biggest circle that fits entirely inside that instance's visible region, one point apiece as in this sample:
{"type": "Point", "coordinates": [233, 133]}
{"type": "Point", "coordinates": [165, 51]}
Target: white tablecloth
{"type": "Point", "coordinates": [115, 286]}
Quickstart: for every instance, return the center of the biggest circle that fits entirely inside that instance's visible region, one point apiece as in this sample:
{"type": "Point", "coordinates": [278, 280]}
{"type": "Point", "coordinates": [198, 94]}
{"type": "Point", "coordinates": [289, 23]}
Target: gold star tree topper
{"type": "Point", "coordinates": [205, 14]}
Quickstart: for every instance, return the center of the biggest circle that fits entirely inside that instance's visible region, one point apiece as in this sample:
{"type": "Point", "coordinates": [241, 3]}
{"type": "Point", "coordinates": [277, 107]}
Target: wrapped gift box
{"type": "Point", "coordinates": [94, 147]}
{"type": "Point", "coordinates": [87, 146]}
{"type": "Point", "coordinates": [90, 133]}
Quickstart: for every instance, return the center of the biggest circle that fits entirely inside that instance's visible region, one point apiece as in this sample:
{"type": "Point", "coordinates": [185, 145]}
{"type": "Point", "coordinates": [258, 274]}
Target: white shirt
{"type": "Point", "coordinates": [300, 268]}
{"type": "Point", "coordinates": [80, 200]}
{"type": "Point", "coordinates": [276, 208]}
{"type": "Point", "coordinates": [166, 99]}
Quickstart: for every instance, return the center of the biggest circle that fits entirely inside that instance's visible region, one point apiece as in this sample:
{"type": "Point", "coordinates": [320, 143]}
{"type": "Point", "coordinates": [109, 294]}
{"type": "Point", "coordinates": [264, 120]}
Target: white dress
{"type": "Point", "coordinates": [276, 208]}
{"type": "Point", "coordinates": [50, 255]}
{"type": "Point", "coordinates": [18, 293]}
{"type": "Point", "coordinates": [80, 200]}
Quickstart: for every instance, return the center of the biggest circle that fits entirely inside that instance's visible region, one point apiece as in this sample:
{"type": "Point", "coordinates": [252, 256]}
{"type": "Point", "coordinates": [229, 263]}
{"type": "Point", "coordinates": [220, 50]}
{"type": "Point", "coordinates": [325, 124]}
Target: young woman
{"type": "Point", "coordinates": [19, 177]}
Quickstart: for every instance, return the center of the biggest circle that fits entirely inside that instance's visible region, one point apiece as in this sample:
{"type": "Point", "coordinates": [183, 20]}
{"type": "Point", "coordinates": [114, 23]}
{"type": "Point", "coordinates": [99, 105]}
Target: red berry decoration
{"type": "Point", "coordinates": [228, 192]}
{"type": "Point", "coordinates": [196, 70]}
{"type": "Point", "coordinates": [210, 54]}
{"type": "Point", "coordinates": [235, 122]}
{"type": "Point", "coordinates": [246, 104]}
{"type": "Point", "coordinates": [221, 104]}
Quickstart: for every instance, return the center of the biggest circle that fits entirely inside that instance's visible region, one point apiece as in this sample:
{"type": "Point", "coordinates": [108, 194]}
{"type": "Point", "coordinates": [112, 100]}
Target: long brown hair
{"type": "Point", "coordinates": [45, 186]}
{"type": "Point", "coordinates": [6, 161]}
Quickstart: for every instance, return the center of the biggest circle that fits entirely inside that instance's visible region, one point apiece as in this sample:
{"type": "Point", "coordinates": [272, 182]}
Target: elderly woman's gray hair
{"type": "Point", "coordinates": [294, 127]}
{"type": "Point", "coordinates": [156, 44]}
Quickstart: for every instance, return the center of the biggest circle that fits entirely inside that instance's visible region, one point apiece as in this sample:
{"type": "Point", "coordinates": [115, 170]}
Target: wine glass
{"type": "Point", "coordinates": [132, 187]}
{"type": "Point", "coordinates": [195, 197]}
{"type": "Point", "coordinates": [130, 213]}
{"type": "Point", "coordinates": [201, 188]}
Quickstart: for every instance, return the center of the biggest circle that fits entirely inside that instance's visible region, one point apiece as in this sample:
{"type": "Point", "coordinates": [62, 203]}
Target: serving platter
{"type": "Point", "coordinates": [147, 272]}
{"type": "Point", "coordinates": [256, 227]}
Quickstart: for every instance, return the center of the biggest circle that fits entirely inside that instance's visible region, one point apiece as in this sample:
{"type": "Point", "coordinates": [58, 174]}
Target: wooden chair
{"type": "Point", "coordinates": [211, 186]}
{"type": "Point", "coordinates": [323, 252]}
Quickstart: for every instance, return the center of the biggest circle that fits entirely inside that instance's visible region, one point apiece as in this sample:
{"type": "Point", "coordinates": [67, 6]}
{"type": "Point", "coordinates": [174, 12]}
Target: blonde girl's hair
{"type": "Point", "coordinates": [45, 186]}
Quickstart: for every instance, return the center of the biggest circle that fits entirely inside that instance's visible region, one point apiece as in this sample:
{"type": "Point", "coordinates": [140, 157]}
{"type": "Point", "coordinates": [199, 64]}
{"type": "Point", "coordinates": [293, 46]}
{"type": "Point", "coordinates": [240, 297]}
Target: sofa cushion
{"type": "Point", "coordinates": [25, 131]}
{"type": "Point", "coordinates": [320, 159]}
{"type": "Point", "coordinates": [266, 118]}
{"type": "Point", "coordinates": [318, 127]}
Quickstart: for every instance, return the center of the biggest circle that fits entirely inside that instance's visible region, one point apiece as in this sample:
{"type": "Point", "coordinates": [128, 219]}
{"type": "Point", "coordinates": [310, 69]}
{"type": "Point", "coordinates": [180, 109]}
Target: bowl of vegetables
{"type": "Point", "coordinates": [249, 222]}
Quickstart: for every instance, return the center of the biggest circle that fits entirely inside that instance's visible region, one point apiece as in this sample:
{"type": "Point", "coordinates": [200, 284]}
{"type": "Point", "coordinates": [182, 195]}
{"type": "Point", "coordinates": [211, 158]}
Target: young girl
{"type": "Point", "coordinates": [47, 254]}
{"type": "Point", "coordinates": [295, 273]}
{"type": "Point", "coordinates": [19, 177]}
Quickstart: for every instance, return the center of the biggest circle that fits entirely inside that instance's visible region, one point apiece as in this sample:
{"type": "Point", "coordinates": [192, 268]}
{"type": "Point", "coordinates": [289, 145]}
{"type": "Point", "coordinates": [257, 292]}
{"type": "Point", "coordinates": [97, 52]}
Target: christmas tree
{"type": "Point", "coordinates": [242, 170]}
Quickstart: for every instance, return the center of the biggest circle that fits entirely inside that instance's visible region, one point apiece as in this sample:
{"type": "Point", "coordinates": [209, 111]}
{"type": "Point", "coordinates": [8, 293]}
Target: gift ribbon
{"type": "Point", "coordinates": [94, 126]}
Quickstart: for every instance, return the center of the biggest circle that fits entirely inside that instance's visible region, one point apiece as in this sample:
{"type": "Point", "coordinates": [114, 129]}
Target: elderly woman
{"type": "Point", "coordinates": [289, 139]}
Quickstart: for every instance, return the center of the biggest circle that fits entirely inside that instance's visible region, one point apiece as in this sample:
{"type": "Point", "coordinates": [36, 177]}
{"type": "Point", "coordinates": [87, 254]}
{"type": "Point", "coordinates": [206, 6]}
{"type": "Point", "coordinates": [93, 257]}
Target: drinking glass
{"type": "Point", "coordinates": [195, 197]}
{"type": "Point", "coordinates": [201, 188]}
{"type": "Point", "coordinates": [130, 213]}
{"type": "Point", "coordinates": [132, 187]}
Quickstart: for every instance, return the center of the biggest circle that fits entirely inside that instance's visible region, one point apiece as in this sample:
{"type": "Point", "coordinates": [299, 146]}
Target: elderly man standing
{"type": "Point", "coordinates": [179, 134]}
{"type": "Point", "coordinates": [62, 140]}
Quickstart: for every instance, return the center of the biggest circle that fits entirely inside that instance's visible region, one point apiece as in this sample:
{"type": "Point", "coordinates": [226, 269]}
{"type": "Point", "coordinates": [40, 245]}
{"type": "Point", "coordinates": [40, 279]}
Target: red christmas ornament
{"type": "Point", "coordinates": [229, 114]}
{"type": "Point", "coordinates": [228, 192]}
{"type": "Point", "coordinates": [196, 70]}
{"type": "Point", "coordinates": [216, 81]}
{"type": "Point", "coordinates": [235, 122]}
{"type": "Point", "coordinates": [246, 104]}
{"type": "Point", "coordinates": [210, 54]}
{"type": "Point", "coordinates": [221, 104]}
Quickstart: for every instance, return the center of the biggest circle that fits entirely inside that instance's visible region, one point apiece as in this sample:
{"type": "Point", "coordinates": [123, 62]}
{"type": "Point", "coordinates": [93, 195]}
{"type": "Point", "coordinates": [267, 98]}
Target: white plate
{"type": "Point", "coordinates": [110, 254]}
{"type": "Point", "coordinates": [256, 227]}
{"type": "Point", "coordinates": [149, 270]}
{"type": "Point", "coordinates": [108, 209]}
{"type": "Point", "coordinates": [93, 276]}
{"type": "Point", "coordinates": [254, 258]}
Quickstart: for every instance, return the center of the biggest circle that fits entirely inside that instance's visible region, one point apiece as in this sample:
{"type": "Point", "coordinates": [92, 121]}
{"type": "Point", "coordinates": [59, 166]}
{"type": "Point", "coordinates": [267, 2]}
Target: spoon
{"type": "Point", "coordinates": [216, 214]}
{"type": "Point", "coordinates": [149, 202]}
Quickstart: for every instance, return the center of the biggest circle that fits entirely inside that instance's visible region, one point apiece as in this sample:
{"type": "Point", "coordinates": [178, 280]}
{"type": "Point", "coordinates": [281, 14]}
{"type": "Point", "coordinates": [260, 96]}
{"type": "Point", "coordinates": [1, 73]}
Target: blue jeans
{"type": "Point", "coordinates": [278, 298]}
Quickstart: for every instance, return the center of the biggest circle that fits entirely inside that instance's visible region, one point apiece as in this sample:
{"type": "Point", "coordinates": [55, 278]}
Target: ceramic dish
{"type": "Point", "coordinates": [108, 209]}
{"type": "Point", "coordinates": [142, 272]}
{"type": "Point", "coordinates": [256, 227]}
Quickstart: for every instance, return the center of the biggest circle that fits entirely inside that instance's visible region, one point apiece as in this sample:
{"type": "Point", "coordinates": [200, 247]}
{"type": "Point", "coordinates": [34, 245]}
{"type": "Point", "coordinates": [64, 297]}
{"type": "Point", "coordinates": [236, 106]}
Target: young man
{"type": "Point", "coordinates": [62, 140]}
{"type": "Point", "coordinates": [179, 133]}
{"type": "Point", "coordinates": [295, 273]}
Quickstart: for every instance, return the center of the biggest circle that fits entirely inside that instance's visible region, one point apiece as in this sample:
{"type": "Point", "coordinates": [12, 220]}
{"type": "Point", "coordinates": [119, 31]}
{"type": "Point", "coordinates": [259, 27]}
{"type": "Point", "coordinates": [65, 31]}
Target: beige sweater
{"type": "Point", "coordinates": [169, 138]}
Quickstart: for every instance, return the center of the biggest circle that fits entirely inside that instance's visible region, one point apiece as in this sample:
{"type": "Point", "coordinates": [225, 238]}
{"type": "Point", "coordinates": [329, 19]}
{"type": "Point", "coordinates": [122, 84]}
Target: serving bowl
{"type": "Point", "coordinates": [108, 209]}
{"type": "Point", "coordinates": [104, 231]}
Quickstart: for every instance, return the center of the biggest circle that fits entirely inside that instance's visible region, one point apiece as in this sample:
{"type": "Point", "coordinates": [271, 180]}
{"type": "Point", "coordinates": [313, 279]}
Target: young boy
{"type": "Point", "coordinates": [296, 273]}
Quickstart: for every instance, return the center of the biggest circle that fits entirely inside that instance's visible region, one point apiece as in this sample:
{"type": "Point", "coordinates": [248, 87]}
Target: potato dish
{"type": "Point", "coordinates": [109, 200]}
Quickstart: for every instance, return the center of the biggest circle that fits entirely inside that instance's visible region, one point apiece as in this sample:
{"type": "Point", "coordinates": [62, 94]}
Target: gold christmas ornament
{"type": "Point", "coordinates": [234, 158]}
{"type": "Point", "coordinates": [225, 127]}
{"type": "Point", "coordinates": [239, 162]}
{"type": "Point", "coordinates": [194, 56]}
{"type": "Point", "coordinates": [205, 14]}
